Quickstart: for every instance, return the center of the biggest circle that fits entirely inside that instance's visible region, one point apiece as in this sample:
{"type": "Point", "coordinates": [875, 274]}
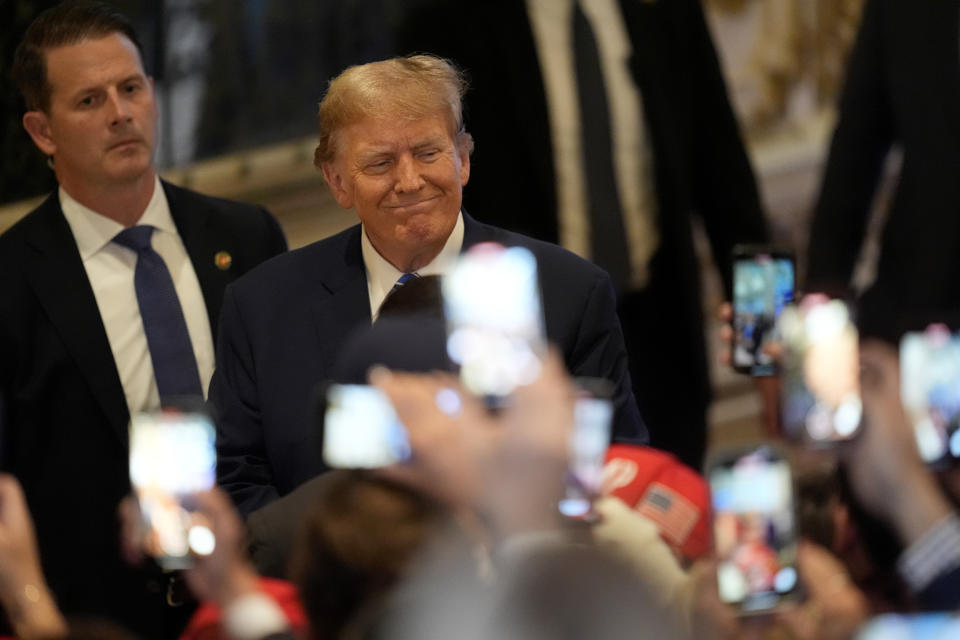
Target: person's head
{"type": "Point", "coordinates": [393, 148]}
{"type": "Point", "coordinates": [356, 545]}
{"type": "Point", "coordinates": [90, 104]}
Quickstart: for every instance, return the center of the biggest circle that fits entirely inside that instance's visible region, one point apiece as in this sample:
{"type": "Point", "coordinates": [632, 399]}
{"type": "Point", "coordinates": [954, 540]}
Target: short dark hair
{"type": "Point", "coordinates": [65, 24]}
{"type": "Point", "coordinates": [356, 544]}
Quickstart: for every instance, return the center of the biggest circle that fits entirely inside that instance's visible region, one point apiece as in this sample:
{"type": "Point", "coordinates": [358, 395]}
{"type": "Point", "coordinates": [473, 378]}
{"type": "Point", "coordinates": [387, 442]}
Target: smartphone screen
{"type": "Point", "coordinates": [763, 284]}
{"type": "Point", "coordinates": [361, 429]}
{"type": "Point", "coordinates": [821, 371]}
{"type": "Point", "coordinates": [930, 390]}
{"type": "Point", "coordinates": [754, 528]}
{"type": "Point", "coordinates": [589, 440]}
{"type": "Point", "coordinates": [917, 626]}
{"type": "Point", "coordinates": [172, 455]}
{"type": "Point", "coordinates": [494, 319]}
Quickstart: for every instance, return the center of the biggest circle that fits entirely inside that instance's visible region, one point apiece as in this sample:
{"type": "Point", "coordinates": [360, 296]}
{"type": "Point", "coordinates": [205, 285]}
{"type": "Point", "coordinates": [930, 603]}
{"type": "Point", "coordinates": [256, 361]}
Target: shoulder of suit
{"type": "Point", "coordinates": [39, 216]}
{"type": "Point", "coordinates": [333, 253]}
{"type": "Point", "coordinates": [548, 254]}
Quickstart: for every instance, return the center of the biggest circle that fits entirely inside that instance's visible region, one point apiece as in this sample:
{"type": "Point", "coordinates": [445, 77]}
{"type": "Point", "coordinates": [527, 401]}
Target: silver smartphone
{"type": "Point", "coordinates": [930, 390]}
{"type": "Point", "coordinates": [361, 430]}
{"type": "Point", "coordinates": [755, 527]}
{"type": "Point", "coordinates": [172, 455]}
{"type": "Point", "coordinates": [821, 371]}
{"type": "Point", "coordinates": [495, 329]}
{"type": "Point", "coordinates": [587, 448]}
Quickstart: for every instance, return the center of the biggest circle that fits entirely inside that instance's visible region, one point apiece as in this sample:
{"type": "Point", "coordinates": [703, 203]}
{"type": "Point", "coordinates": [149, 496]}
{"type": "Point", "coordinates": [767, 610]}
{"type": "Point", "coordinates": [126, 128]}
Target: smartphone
{"type": "Point", "coordinates": [763, 284]}
{"type": "Point", "coordinates": [361, 430]}
{"type": "Point", "coordinates": [172, 456]}
{"type": "Point", "coordinates": [930, 390]}
{"type": "Point", "coordinates": [754, 526]}
{"type": "Point", "coordinates": [820, 371]}
{"type": "Point", "coordinates": [495, 329]}
{"type": "Point", "coordinates": [916, 626]}
{"type": "Point", "coordinates": [589, 440]}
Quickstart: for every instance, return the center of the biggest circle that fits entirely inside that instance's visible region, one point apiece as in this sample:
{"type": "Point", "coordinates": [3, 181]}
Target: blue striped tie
{"type": "Point", "coordinates": [402, 280]}
{"type": "Point", "coordinates": [174, 363]}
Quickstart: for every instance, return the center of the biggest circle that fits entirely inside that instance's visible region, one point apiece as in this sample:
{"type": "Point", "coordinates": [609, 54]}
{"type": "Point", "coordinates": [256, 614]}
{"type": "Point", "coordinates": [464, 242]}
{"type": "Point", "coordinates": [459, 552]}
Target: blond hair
{"type": "Point", "coordinates": [407, 87]}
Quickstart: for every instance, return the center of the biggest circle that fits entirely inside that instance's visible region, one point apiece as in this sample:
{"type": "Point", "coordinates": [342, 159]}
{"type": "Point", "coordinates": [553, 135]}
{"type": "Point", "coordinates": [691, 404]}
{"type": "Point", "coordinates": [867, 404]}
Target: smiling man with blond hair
{"type": "Point", "coordinates": [392, 148]}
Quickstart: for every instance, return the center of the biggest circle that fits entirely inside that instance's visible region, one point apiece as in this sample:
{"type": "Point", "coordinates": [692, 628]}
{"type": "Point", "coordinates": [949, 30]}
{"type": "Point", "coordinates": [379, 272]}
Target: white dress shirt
{"type": "Point", "coordinates": [110, 269]}
{"type": "Point", "coordinates": [381, 275]}
{"type": "Point", "coordinates": [551, 22]}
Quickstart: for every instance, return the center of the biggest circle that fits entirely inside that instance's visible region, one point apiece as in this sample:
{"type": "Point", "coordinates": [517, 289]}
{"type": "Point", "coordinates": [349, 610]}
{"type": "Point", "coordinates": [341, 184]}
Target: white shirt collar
{"type": "Point", "coordinates": [381, 275]}
{"type": "Point", "coordinates": [93, 231]}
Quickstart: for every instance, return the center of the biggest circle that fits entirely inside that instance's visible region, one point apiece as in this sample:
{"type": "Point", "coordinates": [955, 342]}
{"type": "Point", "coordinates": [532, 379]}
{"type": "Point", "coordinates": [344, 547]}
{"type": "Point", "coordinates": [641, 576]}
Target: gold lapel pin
{"type": "Point", "coordinates": [223, 260]}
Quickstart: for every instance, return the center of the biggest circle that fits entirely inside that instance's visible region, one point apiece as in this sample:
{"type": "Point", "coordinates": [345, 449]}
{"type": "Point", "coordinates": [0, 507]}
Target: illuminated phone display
{"type": "Point", "coordinates": [172, 455]}
{"type": "Point", "coordinates": [763, 284]}
{"type": "Point", "coordinates": [494, 319]}
{"type": "Point", "coordinates": [930, 390]}
{"type": "Point", "coordinates": [361, 429]}
{"type": "Point", "coordinates": [821, 371]}
{"type": "Point", "coordinates": [589, 440]}
{"type": "Point", "coordinates": [754, 529]}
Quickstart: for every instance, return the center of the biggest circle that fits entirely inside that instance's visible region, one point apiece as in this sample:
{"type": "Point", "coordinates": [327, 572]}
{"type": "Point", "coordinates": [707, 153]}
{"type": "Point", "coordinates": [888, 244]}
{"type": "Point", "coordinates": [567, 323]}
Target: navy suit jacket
{"type": "Point", "coordinates": [283, 324]}
{"type": "Point", "coordinates": [66, 419]}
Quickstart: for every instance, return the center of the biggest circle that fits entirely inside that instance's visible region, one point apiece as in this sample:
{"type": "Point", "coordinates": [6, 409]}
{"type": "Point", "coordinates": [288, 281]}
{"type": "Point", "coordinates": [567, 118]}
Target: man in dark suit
{"type": "Point", "coordinates": [393, 148]}
{"type": "Point", "coordinates": [902, 89]}
{"type": "Point", "coordinates": [669, 116]}
{"type": "Point", "coordinates": [76, 356]}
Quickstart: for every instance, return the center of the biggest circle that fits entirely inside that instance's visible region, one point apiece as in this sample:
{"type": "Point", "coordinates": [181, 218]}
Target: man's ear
{"type": "Point", "coordinates": [338, 184]}
{"type": "Point", "coordinates": [464, 147]}
{"type": "Point", "coordinates": [38, 126]}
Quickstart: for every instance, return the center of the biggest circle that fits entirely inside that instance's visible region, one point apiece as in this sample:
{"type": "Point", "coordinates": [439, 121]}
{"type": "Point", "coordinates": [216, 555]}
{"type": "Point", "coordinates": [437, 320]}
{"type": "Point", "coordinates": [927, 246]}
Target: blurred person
{"type": "Point", "coordinates": [410, 342]}
{"type": "Point", "coordinates": [360, 538]}
{"type": "Point", "coordinates": [901, 91]}
{"type": "Point", "coordinates": [393, 148]}
{"type": "Point", "coordinates": [888, 476]}
{"type": "Point", "coordinates": [465, 461]}
{"type": "Point", "coordinates": [223, 576]}
{"type": "Point", "coordinates": [616, 115]}
{"type": "Point", "coordinates": [891, 496]}
{"type": "Point", "coordinates": [24, 594]}
{"type": "Point", "coordinates": [110, 296]}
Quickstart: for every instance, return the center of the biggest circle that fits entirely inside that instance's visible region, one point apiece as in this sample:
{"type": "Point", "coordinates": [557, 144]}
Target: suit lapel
{"type": "Point", "coordinates": [203, 245]}
{"type": "Point", "coordinates": [57, 275]}
{"type": "Point", "coordinates": [342, 301]}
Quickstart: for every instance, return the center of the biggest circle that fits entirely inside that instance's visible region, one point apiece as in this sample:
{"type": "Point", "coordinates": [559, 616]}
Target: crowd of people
{"type": "Point", "coordinates": [123, 294]}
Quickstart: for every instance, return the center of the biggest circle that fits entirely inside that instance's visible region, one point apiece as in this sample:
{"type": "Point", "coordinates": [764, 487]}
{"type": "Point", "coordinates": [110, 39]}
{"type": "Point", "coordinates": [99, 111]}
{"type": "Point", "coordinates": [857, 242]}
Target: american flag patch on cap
{"type": "Point", "coordinates": [673, 513]}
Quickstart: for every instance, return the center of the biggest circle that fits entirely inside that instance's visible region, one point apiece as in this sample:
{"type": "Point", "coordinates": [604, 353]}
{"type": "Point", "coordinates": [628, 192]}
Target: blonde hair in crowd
{"type": "Point", "coordinates": [408, 87]}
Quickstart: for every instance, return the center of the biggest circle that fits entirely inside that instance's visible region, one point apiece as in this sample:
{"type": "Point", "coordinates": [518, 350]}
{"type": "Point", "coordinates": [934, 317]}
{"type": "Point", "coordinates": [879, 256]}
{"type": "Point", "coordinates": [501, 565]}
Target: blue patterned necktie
{"type": "Point", "coordinates": [402, 280]}
{"type": "Point", "coordinates": [174, 363]}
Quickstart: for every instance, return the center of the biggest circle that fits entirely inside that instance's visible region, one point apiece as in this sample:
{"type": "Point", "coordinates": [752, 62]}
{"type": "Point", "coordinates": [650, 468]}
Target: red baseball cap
{"type": "Point", "coordinates": [658, 486]}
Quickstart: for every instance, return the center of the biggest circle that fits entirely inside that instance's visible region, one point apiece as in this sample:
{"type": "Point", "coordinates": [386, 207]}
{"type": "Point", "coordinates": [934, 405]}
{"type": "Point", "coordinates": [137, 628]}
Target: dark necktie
{"type": "Point", "coordinates": [174, 363]}
{"type": "Point", "coordinates": [608, 243]}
